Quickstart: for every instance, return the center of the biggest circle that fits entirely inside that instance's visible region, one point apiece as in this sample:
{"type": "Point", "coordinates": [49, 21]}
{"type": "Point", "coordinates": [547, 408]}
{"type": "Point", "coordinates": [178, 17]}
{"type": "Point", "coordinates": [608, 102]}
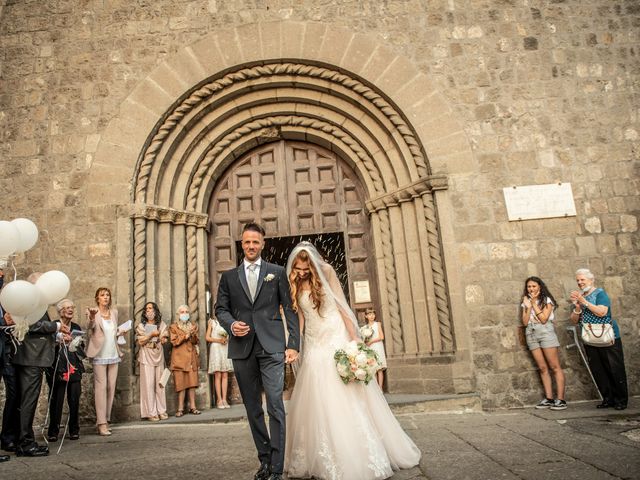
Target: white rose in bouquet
{"type": "Point", "coordinates": [367, 332]}
{"type": "Point", "coordinates": [343, 370]}
{"type": "Point", "coordinates": [360, 374]}
{"type": "Point", "coordinates": [361, 359]}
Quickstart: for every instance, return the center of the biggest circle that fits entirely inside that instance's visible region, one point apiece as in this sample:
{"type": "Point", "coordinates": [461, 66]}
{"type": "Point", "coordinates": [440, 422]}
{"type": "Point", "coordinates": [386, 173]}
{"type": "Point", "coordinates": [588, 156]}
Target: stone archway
{"type": "Point", "coordinates": [218, 121]}
{"type": "Point", "coordinates": [231, 98]}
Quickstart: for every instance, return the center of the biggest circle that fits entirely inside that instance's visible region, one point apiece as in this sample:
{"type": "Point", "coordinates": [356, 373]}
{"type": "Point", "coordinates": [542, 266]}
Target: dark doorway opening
{"type": "Point", "coordinates": [330, 246]}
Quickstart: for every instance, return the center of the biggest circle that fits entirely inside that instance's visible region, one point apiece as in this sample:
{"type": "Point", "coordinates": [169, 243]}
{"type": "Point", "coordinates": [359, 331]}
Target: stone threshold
{"type": "Point", "coordinates": [399, 403]}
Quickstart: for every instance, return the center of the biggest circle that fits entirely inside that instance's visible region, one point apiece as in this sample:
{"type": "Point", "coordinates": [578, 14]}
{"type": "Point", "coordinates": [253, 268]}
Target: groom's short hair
{"type": "Point", "coordinates": [254, 227]}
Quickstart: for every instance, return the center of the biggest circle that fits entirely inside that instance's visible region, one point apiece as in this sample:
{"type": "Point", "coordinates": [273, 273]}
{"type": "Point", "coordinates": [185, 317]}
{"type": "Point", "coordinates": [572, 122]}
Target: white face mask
{"type": "Point", "coordinates": [184, 317]}
{"type": "Point", "coordinates": [151, 315]}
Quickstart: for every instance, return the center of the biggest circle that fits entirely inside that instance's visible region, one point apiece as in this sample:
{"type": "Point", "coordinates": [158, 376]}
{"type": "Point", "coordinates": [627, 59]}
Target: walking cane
{"type": "Point", "coordinates": [577, 343]}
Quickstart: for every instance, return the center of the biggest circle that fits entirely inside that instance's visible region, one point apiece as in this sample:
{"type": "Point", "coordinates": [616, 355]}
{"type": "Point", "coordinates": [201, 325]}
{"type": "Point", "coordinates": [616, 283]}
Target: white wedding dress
{"type": "Point", "coordinates": [337, 431]}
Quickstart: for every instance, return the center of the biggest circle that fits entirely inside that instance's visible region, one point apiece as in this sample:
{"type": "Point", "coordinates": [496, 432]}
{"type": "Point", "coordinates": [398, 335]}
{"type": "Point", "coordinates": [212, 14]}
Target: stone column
{"type": "Point", "coordinates": [169, 269]}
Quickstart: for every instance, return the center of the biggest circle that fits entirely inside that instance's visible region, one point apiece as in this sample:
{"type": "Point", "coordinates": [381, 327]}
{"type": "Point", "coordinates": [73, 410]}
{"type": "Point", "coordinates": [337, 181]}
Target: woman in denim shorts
{"type": "Point", "coordinates": [537, 315]}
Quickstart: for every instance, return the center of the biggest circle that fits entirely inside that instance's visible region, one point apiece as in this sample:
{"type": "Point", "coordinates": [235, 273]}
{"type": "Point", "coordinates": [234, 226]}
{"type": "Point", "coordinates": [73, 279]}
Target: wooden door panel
{"type": "Point", "coordinates": [292, 188]}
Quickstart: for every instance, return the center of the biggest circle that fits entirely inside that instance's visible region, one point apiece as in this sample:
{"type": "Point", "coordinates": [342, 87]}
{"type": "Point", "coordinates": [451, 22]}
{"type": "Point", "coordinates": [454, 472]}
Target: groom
{"type": "Point", "coordinates": [248, 307]}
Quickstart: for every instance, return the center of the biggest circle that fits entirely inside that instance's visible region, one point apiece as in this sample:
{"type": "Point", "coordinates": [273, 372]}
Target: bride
{"type": "Point", "coordinates": [335, 431]}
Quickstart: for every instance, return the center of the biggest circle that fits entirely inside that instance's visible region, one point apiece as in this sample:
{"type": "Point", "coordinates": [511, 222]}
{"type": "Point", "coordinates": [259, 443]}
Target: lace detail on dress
{"type": "Point", "coordinates": [329, 461]}
{"type": "Point", "coordinates": [297, 462]}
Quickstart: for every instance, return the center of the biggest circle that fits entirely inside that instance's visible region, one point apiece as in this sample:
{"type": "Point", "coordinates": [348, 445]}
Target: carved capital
{"type": "Point", "coordinates": [408, 192]}
{"type": "Point", "coordinates": [170, 215]}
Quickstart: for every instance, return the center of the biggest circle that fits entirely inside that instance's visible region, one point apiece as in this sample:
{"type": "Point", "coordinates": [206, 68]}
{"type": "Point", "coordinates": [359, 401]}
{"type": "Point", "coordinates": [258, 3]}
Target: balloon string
{"type": "Point", "coordinates": [66, 388]}
{"type": "Point", "coordinates": [14, 341]}
{"type": "Point", "coordinates": [46, 418]}
{"type": "Point", "coordinates": [15, 272]}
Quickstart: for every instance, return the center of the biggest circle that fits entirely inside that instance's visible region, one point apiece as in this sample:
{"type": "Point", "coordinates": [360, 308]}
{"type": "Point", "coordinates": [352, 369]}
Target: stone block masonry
{"type": "Point", "coordinates": [543, 92]}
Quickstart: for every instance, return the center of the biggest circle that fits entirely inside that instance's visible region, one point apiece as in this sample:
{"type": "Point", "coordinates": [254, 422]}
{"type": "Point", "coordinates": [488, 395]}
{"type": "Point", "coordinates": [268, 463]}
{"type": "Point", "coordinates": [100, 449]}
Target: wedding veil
{"type": "Point", "coordinates": [330, 284]}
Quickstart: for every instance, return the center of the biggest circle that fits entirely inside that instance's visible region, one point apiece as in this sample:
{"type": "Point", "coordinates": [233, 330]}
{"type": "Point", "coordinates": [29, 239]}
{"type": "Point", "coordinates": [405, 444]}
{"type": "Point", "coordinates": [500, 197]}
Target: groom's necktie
{"type": "Point", "coordinates": [252, 280]}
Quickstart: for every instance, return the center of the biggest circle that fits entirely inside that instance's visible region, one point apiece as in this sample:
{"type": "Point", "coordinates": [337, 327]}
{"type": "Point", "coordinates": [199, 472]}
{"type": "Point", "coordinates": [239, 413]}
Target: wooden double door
{"type": "Point", "coordinates": [297, 191]}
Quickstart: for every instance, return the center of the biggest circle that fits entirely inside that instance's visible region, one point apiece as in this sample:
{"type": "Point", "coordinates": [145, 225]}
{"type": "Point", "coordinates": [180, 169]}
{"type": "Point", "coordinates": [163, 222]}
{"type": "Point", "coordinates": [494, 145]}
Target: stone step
{"type": "Point", "coordinates": [406, 403]}
{"type": "Point", "coordinates": [399, 403]}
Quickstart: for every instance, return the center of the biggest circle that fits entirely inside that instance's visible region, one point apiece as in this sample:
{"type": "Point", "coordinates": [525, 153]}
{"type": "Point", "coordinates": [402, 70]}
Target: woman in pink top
{"type": "Point", "coordinates": [151, 334]}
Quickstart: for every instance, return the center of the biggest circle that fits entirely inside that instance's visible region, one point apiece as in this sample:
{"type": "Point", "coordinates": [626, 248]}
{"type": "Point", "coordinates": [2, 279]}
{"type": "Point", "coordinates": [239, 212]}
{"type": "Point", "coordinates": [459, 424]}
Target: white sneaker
{"type": "Point", "coordinates": [558, 405]}
{"type": "Point", "coordinates": [545, 403]}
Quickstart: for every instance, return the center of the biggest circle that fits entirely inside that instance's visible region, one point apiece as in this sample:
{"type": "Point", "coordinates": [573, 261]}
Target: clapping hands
{"type": "Point", "coordinates": [576, 297]}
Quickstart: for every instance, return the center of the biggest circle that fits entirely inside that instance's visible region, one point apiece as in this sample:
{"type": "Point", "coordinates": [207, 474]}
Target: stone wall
{"type": "Point", "coordinates": [545, 92]}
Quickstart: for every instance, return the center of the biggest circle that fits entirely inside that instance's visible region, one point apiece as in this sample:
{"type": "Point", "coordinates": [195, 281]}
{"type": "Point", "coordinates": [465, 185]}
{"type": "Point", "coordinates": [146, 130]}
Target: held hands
{"type": "Point", "coordinates": [64, 329]}
{"type": "Point", "coordinates": [290, 355]}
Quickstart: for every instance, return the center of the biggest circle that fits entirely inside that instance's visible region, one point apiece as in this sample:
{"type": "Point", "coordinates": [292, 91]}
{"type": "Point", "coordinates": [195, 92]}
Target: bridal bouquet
{"type": "Point", "coordinates": [356, 363]}
{"type": "Point", "coordinates": [366, 332]}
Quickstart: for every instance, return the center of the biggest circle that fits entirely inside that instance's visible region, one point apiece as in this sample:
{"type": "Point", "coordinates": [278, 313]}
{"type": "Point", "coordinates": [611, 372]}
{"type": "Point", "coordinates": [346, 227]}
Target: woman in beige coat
{"type": "Point", "coordinates": [105, 354]}
{"type": "Point", "coordinates": [185, 359]}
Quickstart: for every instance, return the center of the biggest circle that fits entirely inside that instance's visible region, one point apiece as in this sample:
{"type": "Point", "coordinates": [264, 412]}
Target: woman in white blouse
{"type": "Point", "coordinates": [104, 352]}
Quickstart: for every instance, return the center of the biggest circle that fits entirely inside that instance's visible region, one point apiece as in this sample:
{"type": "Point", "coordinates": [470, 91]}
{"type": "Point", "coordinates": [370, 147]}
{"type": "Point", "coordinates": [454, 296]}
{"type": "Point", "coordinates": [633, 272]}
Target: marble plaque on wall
{"type": "Point", "coordinates": [539, 201]}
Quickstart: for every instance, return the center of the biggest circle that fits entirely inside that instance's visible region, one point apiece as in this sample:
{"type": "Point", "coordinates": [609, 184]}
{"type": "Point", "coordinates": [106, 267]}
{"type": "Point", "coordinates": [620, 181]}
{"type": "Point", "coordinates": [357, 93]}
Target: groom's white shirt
{"type": "Point", "coordinates": [258, 262]}
{"type": "Point", "coordinates": [246, 263]}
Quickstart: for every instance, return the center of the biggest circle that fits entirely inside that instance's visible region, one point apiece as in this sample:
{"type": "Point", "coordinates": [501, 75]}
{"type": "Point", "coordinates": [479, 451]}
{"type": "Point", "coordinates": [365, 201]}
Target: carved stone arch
{"type": "Point", "coordinates": [356, 96]}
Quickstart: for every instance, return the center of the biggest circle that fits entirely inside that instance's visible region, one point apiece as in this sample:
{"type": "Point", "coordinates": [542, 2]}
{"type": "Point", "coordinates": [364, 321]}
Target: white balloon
{"type": "Point", "coordinates": [20, 298]}
{"type": "Point", "coordinates": [28, 233]}
{"type": "Point", "coordinates": [53, 285]}
{"type": "Point", "coordinates": [9, 238]}
{"type": "Point", "coordinates": [36, 314]}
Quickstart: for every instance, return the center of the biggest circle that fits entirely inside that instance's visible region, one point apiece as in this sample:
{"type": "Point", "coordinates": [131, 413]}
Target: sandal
{"type": "Point", "coordinates": [179, 413]}
{"type": "Point", "coordinates": [194, 411]}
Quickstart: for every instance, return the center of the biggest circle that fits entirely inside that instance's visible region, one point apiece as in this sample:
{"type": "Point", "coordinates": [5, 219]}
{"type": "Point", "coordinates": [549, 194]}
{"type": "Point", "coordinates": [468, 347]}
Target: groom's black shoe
{"type": "Point", "coordinates": [275, 476]}
{"type": "Point", "coordinates": [263, 473]}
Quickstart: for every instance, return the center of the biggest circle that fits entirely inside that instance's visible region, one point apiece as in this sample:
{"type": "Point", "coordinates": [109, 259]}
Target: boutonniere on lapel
{"type": "Point", "coordinates": [268, 277]}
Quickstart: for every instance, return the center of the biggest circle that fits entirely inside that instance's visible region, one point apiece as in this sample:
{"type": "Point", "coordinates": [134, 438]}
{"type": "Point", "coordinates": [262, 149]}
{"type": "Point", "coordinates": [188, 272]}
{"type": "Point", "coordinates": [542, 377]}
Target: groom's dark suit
{"type": "Point", "coordinates": [258, 358]}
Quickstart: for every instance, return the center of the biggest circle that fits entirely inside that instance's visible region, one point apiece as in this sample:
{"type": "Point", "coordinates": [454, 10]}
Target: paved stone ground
{"type": "Point", "coordinates": [513, 444]}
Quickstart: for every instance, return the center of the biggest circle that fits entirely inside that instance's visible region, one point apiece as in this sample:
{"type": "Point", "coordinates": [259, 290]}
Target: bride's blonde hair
{"type": "Point", "coordinates": [314, 280]}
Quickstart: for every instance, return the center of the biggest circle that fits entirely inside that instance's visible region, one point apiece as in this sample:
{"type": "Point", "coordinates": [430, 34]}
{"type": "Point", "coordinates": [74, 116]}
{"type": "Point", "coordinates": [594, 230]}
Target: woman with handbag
{"type": "Point", "coordinates": [601, 339]}
{"type": "Point", "coordinates": [537, 316]}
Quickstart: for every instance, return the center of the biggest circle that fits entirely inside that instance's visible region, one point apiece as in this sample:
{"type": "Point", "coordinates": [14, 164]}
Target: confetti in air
{"type": "Point", "coordinates": [330, 246]}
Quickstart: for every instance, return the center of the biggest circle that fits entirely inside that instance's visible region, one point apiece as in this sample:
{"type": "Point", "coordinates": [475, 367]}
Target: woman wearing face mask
{"type": "Point", "coordinates": [185, 359]}
{"type": "Point", "coordinates": [592, 305]}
